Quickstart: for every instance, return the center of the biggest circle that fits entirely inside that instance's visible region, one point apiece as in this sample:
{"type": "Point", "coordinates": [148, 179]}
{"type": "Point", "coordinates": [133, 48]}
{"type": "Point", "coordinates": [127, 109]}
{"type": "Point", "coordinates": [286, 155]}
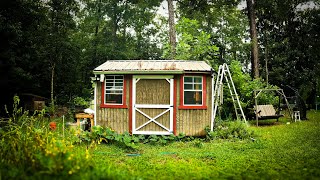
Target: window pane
{"type": "Point", "coordinates": [109, 77]}
{"type": "Point", "coordinates": [119, 84]}
{"type": "Point", "coordinates": [192, 98]}
{"type": "Point", "coordinates": [114, 89]}
{"type": "Point", "coordinates": [198, 79]}
{"type": "Point", "coordinates": [197, 86]}
{"type": "Point", "coordinates": [114, 98]}
{"type": "Point", "coordinates": [187, 86]}
{"type": "Point", "coordinates": [187, 79]}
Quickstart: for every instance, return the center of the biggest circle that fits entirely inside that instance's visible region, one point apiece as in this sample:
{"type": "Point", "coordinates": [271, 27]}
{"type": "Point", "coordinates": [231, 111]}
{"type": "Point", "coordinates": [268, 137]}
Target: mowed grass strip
{"type": "Point", "coordinates": [280, 151]}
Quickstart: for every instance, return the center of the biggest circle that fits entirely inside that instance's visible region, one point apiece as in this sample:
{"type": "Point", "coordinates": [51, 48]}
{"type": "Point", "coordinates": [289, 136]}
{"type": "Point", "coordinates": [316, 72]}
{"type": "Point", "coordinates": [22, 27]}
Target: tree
{"type": "Point", "coordinates": [254, 39]}
{"type": "Point", "coordinates": [61, 22]}
{"type": "Point", "coordinates": [225, 23]}
{"type": "Point", "coordinates": [172, 31]}
{"type": "Point", "coordinates": [194, 43]}
{"type": "Point", "coordinates": [22, 35]}
{"type": "Point", "coordinates": [289, 31]}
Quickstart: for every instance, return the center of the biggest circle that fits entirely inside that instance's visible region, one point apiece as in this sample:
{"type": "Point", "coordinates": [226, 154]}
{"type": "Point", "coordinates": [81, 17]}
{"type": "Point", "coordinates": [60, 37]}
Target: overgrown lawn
{"type": "Point", "coordinates": [280, 151]}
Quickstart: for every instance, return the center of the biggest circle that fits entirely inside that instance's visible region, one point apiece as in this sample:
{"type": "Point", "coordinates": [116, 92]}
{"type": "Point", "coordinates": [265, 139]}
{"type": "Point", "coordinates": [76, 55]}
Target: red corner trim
{"type": "Point", "coordinates": [175, 107]}
{"type": "Point", "coordinates": [130, 105]}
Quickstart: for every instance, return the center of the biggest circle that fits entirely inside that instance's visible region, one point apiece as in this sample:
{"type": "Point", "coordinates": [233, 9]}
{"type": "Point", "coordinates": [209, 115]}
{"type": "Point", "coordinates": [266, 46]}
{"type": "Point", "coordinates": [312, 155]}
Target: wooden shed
{"type": "Point", "coordinates": [32, 102]}
{"type": "Point", "coordinates": [159, 97]}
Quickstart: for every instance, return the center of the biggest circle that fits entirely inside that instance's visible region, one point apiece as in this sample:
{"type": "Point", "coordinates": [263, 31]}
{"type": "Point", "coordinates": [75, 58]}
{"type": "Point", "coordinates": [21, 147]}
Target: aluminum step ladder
{"type": "Point", "coordinates": [224, 73]}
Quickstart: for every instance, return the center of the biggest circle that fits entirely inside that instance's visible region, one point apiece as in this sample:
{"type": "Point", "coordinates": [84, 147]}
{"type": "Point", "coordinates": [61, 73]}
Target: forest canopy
{"type": "Point", "coordinates": [50, 47]}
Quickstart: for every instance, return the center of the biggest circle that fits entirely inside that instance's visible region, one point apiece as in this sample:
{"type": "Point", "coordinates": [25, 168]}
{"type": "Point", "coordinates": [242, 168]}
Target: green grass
{"type": "Point", "coordinates": [280, 151]}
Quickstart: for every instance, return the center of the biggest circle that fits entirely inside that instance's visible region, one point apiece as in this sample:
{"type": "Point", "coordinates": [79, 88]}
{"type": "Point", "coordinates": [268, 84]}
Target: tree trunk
{"type": "Point", "coordinates": [266, 63]}
{"type": "Point", "coordinates": [95, 40]}
{"type": "Point", "coordinates": [172, 29]}
{"type": "Point", "coordinates": [254, 39]}
{"type": "Point", "coordinates": [114, 24]}
{"type": "Point", "coordinates": [52, 82]}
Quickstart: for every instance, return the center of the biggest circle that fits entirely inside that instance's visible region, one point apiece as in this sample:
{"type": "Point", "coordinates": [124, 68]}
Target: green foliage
{"type": "Point", "coordinates": [288, 33]}
{"type": "Point", "coordinates": [29, 147]}
{"type": "Point", "coordinates": [107, 135]}
{"type": "Point", "coordinates": [79, 101]}
{"type": "Point", "coordinates": [193, 42]}
{"type": "Point", "coordinates": [18, 114]}
{"type": "Point", "coordinates": [230, 130]}
{"type": "Point", "coordinates": [279, 152]}
{"type": "Point", "coordinates": [245, 85]}
{"type": "Point", "coordinates": [224, 22]}
{"type": "Point", "coordinates": [127, 141]}
{"type": "Point", "coordinates": [51, 109]}
{"type": "Point", "coordinates": [198, 143]}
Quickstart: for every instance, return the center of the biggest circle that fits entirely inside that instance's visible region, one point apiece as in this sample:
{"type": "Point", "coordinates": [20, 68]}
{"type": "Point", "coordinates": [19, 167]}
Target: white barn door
{"type": "Point", "coordinates": [152, 103]}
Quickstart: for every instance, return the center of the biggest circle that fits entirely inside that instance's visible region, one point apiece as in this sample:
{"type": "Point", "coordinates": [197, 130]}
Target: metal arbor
{"type": "Point", "coordinates": [224, 73]}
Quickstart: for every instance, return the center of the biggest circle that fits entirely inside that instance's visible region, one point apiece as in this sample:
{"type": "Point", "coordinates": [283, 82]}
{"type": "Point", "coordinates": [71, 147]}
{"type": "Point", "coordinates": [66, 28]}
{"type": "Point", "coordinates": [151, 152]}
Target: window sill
{"type": "Point", "coordinates": [192, 107]}
{"type": "Point", "coordinates": [113, 106]}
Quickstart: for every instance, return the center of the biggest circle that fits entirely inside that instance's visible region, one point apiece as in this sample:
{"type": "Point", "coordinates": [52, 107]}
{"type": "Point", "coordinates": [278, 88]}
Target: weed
{"type": "Point", "coordinates": [230, 130]}
{"type": "Point", "coordinates": [28, 146]}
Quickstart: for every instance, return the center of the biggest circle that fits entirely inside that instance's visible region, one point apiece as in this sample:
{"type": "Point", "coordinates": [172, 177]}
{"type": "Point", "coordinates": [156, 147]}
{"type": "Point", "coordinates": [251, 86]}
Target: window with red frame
{"type": "Point", "coordinates": [114, 89]}
{"type": "Point", "coordinates": [193, 92]}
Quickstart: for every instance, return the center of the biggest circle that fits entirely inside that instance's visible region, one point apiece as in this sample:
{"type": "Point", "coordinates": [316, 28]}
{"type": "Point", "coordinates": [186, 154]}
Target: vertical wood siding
{"type": "Point", "coordinates": [152, 91]}
{"type": "Point", "coordinates": [115, 118]}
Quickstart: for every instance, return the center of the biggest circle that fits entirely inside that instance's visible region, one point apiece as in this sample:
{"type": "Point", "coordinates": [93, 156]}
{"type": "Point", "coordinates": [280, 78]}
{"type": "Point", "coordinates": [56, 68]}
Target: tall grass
{"type": "Point", "coordinates": [29, 149]}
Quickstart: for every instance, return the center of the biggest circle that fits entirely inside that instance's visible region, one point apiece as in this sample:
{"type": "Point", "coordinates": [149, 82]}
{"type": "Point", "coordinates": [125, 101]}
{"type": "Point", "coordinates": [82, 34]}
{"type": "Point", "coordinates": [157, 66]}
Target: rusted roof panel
{"type": "Point", "coordinates": [154, 65]}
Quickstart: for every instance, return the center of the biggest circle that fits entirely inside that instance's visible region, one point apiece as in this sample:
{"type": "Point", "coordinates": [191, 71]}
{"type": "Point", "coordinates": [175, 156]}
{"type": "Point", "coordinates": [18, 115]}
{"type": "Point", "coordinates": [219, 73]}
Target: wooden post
{"type": "Point", "coordinates": [63, 125]}
{"type": "Point", "coordinates": [256, 103]}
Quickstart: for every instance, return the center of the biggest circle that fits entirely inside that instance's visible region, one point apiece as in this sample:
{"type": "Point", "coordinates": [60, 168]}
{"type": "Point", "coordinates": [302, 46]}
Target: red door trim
{"type": "Point", "coordinates": [130, 104]}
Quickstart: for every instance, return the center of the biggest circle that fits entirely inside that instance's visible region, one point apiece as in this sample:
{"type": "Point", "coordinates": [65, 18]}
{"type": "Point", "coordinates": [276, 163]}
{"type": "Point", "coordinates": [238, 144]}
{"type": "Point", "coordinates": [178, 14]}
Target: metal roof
{"type": "Point", "coordinates": [152, 66]}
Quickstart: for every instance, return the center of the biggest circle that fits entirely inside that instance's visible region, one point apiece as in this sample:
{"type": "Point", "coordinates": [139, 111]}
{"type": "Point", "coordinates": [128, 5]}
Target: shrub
{"type": "Point", "coordinates": [100, 134]}
{"type": "Point", "coordinates": [230, 130]}
{"type": "Point", "coordinates": [105, 134]}
{"type": "Point", "coordinates": [28, 148]}
{"type": "Point", "coordinates": [245, 85]}
{"type": "Point", "coordinates": [79, 101]}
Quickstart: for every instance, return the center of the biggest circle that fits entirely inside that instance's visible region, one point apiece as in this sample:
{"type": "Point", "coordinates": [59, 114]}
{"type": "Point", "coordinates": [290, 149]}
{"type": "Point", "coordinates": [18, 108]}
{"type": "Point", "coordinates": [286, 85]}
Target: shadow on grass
{"type": "Point", "coordinates": [268, 122]}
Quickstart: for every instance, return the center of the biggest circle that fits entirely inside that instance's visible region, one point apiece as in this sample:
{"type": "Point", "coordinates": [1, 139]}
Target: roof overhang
{"type": "Point", "coordinates": [153, 72]}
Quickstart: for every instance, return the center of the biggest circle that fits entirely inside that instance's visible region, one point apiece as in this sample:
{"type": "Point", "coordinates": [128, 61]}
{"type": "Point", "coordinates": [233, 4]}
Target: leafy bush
{"type": "Point", "coordinates": [107, 135]}
{"type": "Point", "coordinates": [100, 134]}
{"type": "Point", "coordinates": [29, 148]}
{"type": "Point", "coordinates": [230, 130]}
{"type": "Point", "coordinates": [79, 101]}
{"type": "Point", "coordinates": [245, 85]}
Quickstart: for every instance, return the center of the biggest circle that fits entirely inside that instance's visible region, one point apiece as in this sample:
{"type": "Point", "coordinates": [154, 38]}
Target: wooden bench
{"type": "Point", "coordinates": [267, 112]}
{"type": "Point", "coordinates": [80, 116]}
